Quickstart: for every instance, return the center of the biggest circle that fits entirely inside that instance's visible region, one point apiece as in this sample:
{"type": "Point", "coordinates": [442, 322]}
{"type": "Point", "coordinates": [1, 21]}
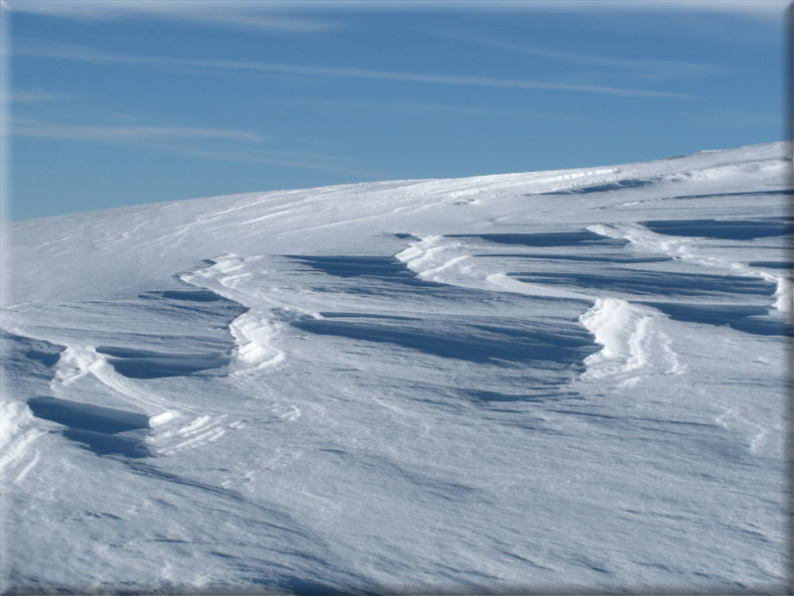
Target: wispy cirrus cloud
{"type": "Point", "coordinates": [735, 119]}
{"type": "Point", "coordinates": [230, 14]}
{"type": "Point", "coordinates": [30, 127]}
{"type": "Point", "coordinates": [61, 51]}
{"type": "Point", "coordinates": [289, 159]}
{"type": "Point", "coordinates": [30, 96]}
{"type": "Point", "coordinates": [430, 108]}
{"type": "Point", "coordinates": [642, 67]}
{"type": "Point", "coordinates": [202, 142]}
{"type": "Point", "coordinates": [762, 9]}
{"type": "Point", "coordinates": [95, 9]}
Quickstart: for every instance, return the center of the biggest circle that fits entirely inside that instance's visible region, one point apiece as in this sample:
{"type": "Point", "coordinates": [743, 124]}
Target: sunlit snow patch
{"type": "Point", "coordinates": [633, 345]}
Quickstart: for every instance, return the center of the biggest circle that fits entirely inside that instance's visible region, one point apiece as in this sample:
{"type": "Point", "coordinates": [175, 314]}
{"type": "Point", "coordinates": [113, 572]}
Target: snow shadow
{"type": "Point", "coordinates": [296, 586]}
{"type": "Point", "coordinates": [103, 444]}
{"type": "Point", "coordinates": [28, 357]}
{"type": "Point", "coordinates": [666, 283]}
{"type": "Point", "coordinates": [363, 315]}
{"type": "Point", "coordinates": [749, 319]}
{"type": "Point", "coordinates": [200, 303]}
{"type": "Point", "coordinates": [618, 185]}
{"type": "Point", "coordinates": [78, 415]}
{"type": "Point", "coordinates": [388, 269]}
{"type": "Point", "coordinates": [773, 264]}
{"type": "Point", "coordinates": [547, 396]}
{"type": "Point", "coordinates": [486, 344]}
{"type": "Point", "coordinates": [785, 192]}
{"type": "Point", "coordinates": [97, 428]}
{"type": "Point", "coordinates": [607, 258]}
{"type": "Point", "coordinates": [176, 332]}
{"type": "Point", "coordinates": [579, 238]}
{"type": "Point", "coordinates": [145, 364]}
{"type": "Point", "coordinates": [188, 295]}
{"type": "Point", "coordinates": [745, 229]}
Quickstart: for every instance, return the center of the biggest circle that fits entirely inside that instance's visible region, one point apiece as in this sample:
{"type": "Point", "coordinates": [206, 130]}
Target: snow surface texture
{"type": "Point", "coordinates": [553, 381]}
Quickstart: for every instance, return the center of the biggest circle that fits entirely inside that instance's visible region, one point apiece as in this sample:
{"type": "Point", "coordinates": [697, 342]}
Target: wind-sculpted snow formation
{"type": "Point", "coordinates": [553, 381]}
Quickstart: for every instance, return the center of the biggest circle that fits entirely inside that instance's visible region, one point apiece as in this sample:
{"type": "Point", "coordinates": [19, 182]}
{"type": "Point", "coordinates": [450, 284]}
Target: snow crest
{"type": "Point", "coordinates": [17, 456]}
{"type": "Point", "coordinates": [688, 250]}
{"type": "Point", "coordinates": [633, 344]}
{"type": "Point", "coordinates": [254, 331]}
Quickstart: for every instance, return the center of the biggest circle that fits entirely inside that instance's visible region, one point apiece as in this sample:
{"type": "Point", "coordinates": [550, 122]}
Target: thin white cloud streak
{"type": "Point", "coordinates": [276, 161]}
{"type": "Point", "coordinates": [647, 68]}
{"type": "Point", "coordinates": [762, 9]}
{"type": "Point", "coordinates": [44, 49]}
{"type": "Point", "coordinates": [248, 16]}
{"type": "Point", "coordinates": [27, 127]}
{"type": "Point", "coordinates": [432, 108]}
{"type": "Point", "coordinates": [29, 96]}
{"type": "Point", "coordinates": [163, 138]}
{"type": "Point", "coordinates": [735, 119]}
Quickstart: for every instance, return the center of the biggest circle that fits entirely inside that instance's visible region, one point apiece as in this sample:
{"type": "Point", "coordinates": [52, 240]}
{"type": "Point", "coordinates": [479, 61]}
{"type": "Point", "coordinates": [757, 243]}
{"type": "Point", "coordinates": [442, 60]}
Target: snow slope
{"type": "Point", "coordinates": [568, 380]}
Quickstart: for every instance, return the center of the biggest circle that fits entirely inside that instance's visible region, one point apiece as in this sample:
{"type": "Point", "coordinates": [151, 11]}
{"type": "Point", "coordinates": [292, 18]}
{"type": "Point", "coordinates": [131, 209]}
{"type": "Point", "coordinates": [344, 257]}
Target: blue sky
{"type": "Point", "coordinates": [121, 103]}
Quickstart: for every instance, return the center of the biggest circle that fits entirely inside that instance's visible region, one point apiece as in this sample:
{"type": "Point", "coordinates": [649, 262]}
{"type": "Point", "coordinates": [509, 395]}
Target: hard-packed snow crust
{"type": "Point", "coordinates": [547, 381]}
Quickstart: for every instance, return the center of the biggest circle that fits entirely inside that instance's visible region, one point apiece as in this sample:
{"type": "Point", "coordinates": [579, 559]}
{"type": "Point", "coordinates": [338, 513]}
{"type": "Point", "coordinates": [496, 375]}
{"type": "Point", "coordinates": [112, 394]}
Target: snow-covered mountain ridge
{"type": "Point", "coordinates": [551, 380]}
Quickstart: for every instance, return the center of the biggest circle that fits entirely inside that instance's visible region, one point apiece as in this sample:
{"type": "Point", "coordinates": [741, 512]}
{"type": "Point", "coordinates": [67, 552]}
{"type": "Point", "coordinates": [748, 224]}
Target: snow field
{"type": "Point", "coordinates": [547, 381]}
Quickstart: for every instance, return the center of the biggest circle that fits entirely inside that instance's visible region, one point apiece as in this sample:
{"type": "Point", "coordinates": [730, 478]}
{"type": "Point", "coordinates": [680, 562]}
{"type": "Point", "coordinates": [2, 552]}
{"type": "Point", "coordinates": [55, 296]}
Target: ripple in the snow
{"type": "Point", "coordinates": [146, 364]}
{"type": "Point", "coordinates": [748, 229]}
{"type": "Point", "coordinates": [97, 428]}
{"type": "Point", "coordinates": [746, 318]}
{"type": "Point", "coordinates": [488, 344]}
{"type": "Point", "coordinates": [647, 283]}
{"type": "Point", "coordinates": [575, 239]}
{"type": "Point", "coordinates": [374, 267]}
